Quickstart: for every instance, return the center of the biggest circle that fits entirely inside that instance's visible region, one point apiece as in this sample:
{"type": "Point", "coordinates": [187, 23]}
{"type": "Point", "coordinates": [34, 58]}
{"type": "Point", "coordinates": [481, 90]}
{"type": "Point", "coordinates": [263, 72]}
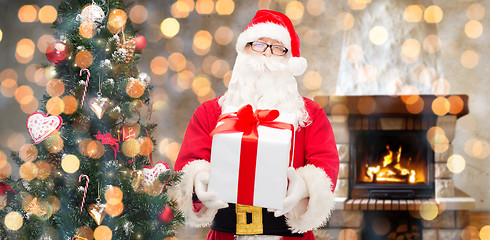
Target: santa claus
{"type": "Point", "coordinates": [263, 76]}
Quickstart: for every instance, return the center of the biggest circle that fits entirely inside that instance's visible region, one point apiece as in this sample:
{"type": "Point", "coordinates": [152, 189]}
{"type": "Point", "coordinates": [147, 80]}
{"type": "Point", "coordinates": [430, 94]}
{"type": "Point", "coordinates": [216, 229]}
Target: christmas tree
{"type": "Point", "coordinates": [89, 172]}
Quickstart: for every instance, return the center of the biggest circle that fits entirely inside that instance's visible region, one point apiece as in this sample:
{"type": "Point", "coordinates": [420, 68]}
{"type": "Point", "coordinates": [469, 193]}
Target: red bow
{"type": "Point", "coordinates": [247, 121]}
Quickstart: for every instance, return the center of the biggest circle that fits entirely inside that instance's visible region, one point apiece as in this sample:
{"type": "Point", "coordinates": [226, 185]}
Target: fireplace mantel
{"type": "Point", "coordinates": [391, 105]}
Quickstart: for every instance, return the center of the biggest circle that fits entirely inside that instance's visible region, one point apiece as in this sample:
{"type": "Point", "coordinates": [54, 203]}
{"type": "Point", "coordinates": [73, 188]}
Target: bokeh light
{"type": "Point", "coordinates": [344, 21]}
{"type": "Point", "coordinates": [315, 7]}
{"type": "Point", "coordinates": [437, 139]}
{"type": "Point", "coordinates": [441, 87]}
{"type": "Point", "coordinates": [348, 234]}
{"type": "Point", "coordinates": [201, 85]}
{"type": "Point", "coordinates": [410, 49]}
{"type": "Point", "coordinates": [15, 141]}
{"type": "Point", "coordinates": [413, 13]}
{"type": "Point", "coordinates": [415, 104]}
{"type": "Point", "coordinates": [312, 80]}
{"type": "Point", "coordinates": [225, 7]}
{"type": "Point", "coordinates": [223, 35]}
{"type": "Point", "coordinates": [30, 107]}
{"type": "Point", "coordinates": [8, 77]}
{"type": "Point", "coordinates": [378, 35]}
{"type": "Point", "coordinates": [357, 4]}
{"type": "Point", "coordinates": [220, 68]}
{"type": "Point", "coordinates": [184, 79]}
{"type": "Point", "coordinates": [6, 170]}
{"type": "Point", "coordinates": [25, 48]}
{"type": "Point", "coordinates": [475, 12]}
{"type": "Point", "coordinates": [87, 29]}
{"type": "Point", "coordinates": [170, 27]}
{"type": "Point", "coordinates": [456, 103]}
{"type": "Point", "coordinates": [295, 11]}
{"type": "Point", "coordinates": [159, 65]}
{"type": "Point", "coordinates": [366, 105]}
{"type": "Point", "coordinates": [381, 225]}
{"type": "Point", "coordinates": [485, 232]}
{"type": "Point", "coordinates": [138, 14]}
{"type": "Point", "coordinates": [24, 94]}
{"type": "Point", "coordinates": [177, 62]}
{"type": "Point", "coordinates": [477, 148]}
{"type": "Point", "coordinates": [227, 78]}
{"type": "Point", "coordinates": [43, 75]}
{"type": "Point", "coordinates": [1, 35]}
{"type": "Point", "coordinates": [429, 210]}
{"type": "Point", "coordinates": [202, 42]}
{"type": "Point", "coordinates": [440, 106]}
{"type": "Point", "coordinates": [264, 4]}
{"type": "Point", "coordinates": [473, 29]}
{"type": "Point", "coordinates": [469, 59]}
{"type": "Point", "coordinates": [204, 6]}
{"type": "Point", "coordinates": [470, 233]}
{"type": "Point", "coordinates": [48, 14]}
{"type": "Point", "coordinates": [354, 53]}
{"type": "Point", "coordinates": [456, 163]}
{"type": "Point", "coordinates": [28, 13]}
{"type": "Point", "coordinates": [433, 14]}
{"type": "Point", "coordinates": [180, 9]}
{"type": "Point", "coordinates": [432, 43]}
{"type": "Point", "coordinates": [44, 41]}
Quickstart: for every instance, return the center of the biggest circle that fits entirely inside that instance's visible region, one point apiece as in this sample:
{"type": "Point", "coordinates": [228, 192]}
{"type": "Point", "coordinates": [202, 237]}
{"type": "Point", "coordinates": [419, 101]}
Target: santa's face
{"type": "Point", "coordinates": [269, 43]}
{"type": "Point", "coordinates": [264, 81]}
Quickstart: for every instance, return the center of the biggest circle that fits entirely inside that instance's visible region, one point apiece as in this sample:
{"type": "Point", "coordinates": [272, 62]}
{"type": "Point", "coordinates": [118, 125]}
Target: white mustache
{"type": "Point", "coordinates": [266, 64]}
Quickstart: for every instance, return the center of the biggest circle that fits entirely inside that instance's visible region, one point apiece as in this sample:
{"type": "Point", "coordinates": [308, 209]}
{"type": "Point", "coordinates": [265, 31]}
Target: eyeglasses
{"type": "Point", "coordinates": [262, 46]}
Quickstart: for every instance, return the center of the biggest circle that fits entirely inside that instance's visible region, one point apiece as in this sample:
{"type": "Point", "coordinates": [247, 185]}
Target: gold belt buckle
{"type": "Point", "coordinates": [242, 227]}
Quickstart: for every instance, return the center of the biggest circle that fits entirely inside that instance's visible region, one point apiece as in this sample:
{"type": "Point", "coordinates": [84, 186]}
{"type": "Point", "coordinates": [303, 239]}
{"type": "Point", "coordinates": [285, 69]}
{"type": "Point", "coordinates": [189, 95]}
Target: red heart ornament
{"type": "Point", "coordinates": [40, 126]}
{"type": "Point", "coordinates": [151, 174]}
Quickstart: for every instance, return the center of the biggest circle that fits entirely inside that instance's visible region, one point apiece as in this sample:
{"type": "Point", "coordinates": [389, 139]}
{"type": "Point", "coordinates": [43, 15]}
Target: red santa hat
{"type": "Point", "coordinates": [274, 25]}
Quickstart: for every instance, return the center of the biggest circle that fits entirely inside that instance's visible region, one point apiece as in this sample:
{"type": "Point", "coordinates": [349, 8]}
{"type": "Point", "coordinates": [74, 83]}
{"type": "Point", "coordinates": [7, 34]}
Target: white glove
{"type": "Point", "coordinates": [296, 191]}
{"type": "Point", "coordinates": [207, 198]}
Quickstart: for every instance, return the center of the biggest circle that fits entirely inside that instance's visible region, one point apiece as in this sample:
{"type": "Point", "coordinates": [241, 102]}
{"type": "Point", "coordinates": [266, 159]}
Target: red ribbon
{"type": "Point", "coordinates": [108, 139]}
{"type": "Point", "coordinates": [247, 121]}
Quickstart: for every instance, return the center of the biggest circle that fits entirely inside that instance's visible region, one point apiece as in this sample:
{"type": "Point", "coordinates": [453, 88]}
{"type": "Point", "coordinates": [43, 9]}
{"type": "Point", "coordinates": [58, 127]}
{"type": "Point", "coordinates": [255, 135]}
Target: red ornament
{"type": "Point", "coordinates": [167, 215]}
{"type": "Point", "coordinates": [140, 41]}
{"type": "Point", "coordinates": [57, 52]}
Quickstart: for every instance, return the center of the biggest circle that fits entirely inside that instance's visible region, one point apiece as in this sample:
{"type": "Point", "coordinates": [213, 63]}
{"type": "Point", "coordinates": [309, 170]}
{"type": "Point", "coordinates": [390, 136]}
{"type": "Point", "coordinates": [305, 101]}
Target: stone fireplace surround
{"type": "Point", "coordinates": [395, 113]}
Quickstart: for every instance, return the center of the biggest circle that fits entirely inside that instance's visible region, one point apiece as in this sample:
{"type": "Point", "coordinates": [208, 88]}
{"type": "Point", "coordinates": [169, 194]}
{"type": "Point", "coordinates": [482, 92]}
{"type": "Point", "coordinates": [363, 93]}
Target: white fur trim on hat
{"type": "Point", "coordinates": [297, 65]}
{"type": "Point", "coordinates": [312, 212]}
{"type": "Point", "coordinates": [182, 192]}
{"type": "Point", "coordinates": [268, 30]}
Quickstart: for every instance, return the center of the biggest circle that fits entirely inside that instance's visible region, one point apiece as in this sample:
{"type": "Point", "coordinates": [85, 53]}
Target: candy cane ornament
{"type": "Point", "coordinates": [86, 188]}
{"type": "Point", "coordinates": [86, 84]}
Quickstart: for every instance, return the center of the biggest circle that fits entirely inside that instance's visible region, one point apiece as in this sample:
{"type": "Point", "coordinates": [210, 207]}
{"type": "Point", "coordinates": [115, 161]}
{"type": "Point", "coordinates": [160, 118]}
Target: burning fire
{"type": "Point", "coordinates": [391, 170]}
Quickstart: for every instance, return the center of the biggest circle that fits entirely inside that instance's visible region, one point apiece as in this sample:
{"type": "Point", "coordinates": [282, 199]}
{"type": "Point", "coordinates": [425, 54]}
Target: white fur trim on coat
{"type": "Point", "coordinates": [181, 194]}
{"type": "Point", "coordinates": [312, 212]}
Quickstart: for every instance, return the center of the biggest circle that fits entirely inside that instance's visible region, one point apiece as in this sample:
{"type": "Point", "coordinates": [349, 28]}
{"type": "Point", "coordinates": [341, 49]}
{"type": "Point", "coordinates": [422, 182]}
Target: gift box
{"type": "Point", "coordinates": [250, 154]}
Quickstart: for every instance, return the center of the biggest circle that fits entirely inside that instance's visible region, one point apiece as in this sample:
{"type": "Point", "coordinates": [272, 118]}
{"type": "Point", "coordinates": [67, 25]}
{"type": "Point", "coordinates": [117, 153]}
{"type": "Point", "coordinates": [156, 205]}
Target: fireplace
{"type": "Point", "coordinates": [391, 165]}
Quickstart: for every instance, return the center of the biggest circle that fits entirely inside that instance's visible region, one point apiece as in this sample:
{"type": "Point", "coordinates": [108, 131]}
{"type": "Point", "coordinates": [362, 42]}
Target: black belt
{"type": "Point", "coordinates": [251, 221]}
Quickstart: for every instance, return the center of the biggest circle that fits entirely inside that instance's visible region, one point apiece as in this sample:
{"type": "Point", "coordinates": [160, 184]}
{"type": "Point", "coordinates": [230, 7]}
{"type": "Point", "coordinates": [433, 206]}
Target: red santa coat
{"type": "Point", "coordinates": [315, 159]}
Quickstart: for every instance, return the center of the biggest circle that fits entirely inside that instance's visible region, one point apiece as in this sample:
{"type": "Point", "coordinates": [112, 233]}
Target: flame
{"type": "Point", "coordinates": [391, 171]}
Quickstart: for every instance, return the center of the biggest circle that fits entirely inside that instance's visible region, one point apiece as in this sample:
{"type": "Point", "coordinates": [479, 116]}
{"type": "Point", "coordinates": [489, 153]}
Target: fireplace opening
{"type": "Point", "coordinates": [391, 225]}
{"type": "Point", "coordinates": [391, 164]}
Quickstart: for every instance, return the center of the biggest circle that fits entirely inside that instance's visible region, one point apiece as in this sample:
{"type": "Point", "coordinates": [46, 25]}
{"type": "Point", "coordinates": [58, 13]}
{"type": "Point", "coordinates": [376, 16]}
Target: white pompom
{"type": "Point", "coordinates": [297, 65]}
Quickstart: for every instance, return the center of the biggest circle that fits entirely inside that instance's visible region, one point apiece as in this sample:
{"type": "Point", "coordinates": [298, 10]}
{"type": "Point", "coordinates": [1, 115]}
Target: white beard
{"type": "Point", "coordinates": [265, 83]}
